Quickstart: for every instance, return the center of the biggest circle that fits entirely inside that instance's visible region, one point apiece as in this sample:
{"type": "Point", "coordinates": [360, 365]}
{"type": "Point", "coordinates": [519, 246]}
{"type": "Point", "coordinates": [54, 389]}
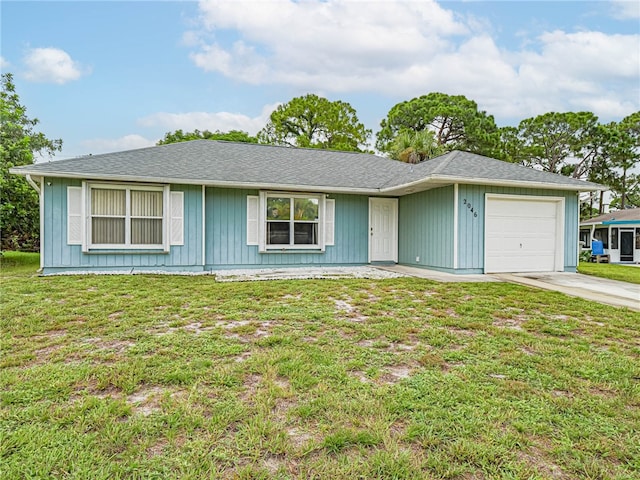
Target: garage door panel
{"type": "Point", "coordinates": [530, 207]}
{"type": "Point", "coordinates": [526, 246]}
{"type": "Point", "coordinates": [521, 234]}
{"type": "Point", "coordinates": [533, 226]}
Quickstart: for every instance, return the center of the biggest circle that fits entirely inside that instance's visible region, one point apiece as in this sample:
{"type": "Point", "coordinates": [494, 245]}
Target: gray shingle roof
{"type": "Point", "coordinates": [465, 165]}
{"type": "Point", "coordinates": [631, 215]}
{"type": "Point", "coordinates": [263, 166]}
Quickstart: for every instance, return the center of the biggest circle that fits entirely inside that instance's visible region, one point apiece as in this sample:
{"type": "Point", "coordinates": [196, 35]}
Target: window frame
{"type": "Point", "coordinates": [291, 246]}
{"type": "Point", "coordinates": [127, 245]}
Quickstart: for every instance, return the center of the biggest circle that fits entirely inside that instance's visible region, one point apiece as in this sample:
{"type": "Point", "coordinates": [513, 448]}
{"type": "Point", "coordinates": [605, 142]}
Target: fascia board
{"type": "Point", "coordinates": [199, 181]}
{"type": "Point", "coordinates": [621, 222]}
{"type": "Point", "coordinates": [439, 179]}
{"type": "Point", "coordinates": [315, 188]}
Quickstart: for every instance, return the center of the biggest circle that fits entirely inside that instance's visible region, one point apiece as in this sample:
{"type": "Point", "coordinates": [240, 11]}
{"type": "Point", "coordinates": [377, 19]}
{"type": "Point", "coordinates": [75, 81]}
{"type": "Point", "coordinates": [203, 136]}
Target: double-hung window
{"type": "Point", "coordinates": [127, 216]}
{"type": "Point", "coordinates": [279, 221]}
{"type": "Point", "coordinates": [292, 221]}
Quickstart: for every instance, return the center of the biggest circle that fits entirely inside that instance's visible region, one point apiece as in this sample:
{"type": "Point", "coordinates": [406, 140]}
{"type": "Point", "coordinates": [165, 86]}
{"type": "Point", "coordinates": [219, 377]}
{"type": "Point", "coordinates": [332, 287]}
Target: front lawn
{"type": "Point", "coordinates": [181, 377]}
{"type": "Point", "coordinates": [612, 271]}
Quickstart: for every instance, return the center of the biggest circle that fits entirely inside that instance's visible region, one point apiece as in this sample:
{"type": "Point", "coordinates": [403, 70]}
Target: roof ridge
{"type": "Point", "coordinates": [449, 157]}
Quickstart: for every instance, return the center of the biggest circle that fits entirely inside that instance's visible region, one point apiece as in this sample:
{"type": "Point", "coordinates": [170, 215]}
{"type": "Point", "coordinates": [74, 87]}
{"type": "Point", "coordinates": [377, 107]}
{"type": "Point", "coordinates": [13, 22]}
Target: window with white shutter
{"type": "Point", "coordinates": [253, 213]}
{"type": "Point", "coordinates": [177, 218]}
{"type": "Point", "coordinates": [74, 216]}
{"type": "Point", "coordinates": [278, 221]}
{"type": "Point", "coordinates": [329, 221]}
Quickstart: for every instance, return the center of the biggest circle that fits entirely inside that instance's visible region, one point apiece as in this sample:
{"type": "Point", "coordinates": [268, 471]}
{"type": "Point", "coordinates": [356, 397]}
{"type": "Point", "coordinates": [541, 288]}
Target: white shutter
{"type": "Point", "coordinates": [329, 221]}
{"type": "Point", "coordinates": [253, 208]}
{"type": "Point", "coordinates": [177, 218]}
{"type": "Point", "coordinates": [74, 215]}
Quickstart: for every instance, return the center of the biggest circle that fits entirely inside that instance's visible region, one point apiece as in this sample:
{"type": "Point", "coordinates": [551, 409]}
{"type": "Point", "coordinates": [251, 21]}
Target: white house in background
{"type": "Point", "coordinates": [619, 231]}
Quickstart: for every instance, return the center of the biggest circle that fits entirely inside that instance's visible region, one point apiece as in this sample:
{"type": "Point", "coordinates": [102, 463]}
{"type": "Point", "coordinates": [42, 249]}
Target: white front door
{"type": "Point", "coordinates": [383, 229]}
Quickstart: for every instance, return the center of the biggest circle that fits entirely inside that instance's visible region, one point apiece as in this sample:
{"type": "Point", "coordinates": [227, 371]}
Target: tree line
{"type": "Point", "coordinates": [575, 144]}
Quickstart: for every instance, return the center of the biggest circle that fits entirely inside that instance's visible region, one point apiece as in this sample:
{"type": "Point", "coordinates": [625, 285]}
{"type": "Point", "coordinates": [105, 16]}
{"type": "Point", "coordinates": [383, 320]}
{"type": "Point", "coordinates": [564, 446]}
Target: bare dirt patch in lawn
{"type": "Point", "coordinates": [536, 458]}
{"type": "Point", "coordinates": [395, 374]}
{"type": "Point", "coordinates": [146, 400]}
{"type": "Point", "coordinates": [511, 323]}
{"type": "Point", "coordinates": [55, 333]}
{"type": "Point", "coordinates": [298, 437]}
{"type": "Point", "coordinates": [195, 328]}
{"type": "Point", "coordinates": [292, 297]}
{"type": "Point", "coordinates": [251, 384]}
{"type": "Point", "coordinates": [362, 376]}
{"type": "Point", "coordinates": [274, 463]}
{"type": "Point", "coordinates": [158, 448]}
{"type": "Point", "coordinates": [348, 311]}
{"type": "Point", "coordinates": [462, 331]}
{"type": "Point", "coordinates": [116, 346]}
{"type": "Point", "coordinates": [528, 351]}
{"type": "Point", "coordinates": [44, 354]}
{"type": "Point", "coordinates": [242, 357]}
{"type": "Point", "coordinates": [448, 366]}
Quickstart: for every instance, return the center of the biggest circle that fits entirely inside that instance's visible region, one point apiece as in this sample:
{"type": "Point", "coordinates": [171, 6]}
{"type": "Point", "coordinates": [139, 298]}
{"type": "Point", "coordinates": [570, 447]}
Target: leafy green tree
{"type": "Point", "coordinates": [311, 121]}
{"type": "Point", "coordinates": [564, 143]}
{"type": "Point", "coordinates": [230, 136]}
{"type": "Point", "coordinates": [454, 119]}
{"type": "Point", "coordinates": [511, 146]}
{"type": "Point", "coordinates": [624, 159]}
{"type": "Point", "coordinates": [414, 147]}
{"type": "Point", "coordinates": [19, 143]}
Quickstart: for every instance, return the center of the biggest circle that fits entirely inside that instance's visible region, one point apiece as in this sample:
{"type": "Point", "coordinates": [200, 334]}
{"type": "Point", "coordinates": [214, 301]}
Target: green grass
{"type": "Point", "coordinates": [181, 377]}
{"type": "Point", "coordinates": [19, 262]}
{"type": "Point", "coordinates": [612, 271]}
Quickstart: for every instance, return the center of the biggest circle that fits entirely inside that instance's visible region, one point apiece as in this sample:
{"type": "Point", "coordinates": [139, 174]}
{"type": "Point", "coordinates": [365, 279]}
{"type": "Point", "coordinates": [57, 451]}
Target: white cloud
{"type": "Point", "coordinates": [127, 142]}
{"type": "Point", "coordinates": [4, 63]}
{"type": "Point", "coordinates": [626, 9]}
{"type": "Point", "coordinates": [313, 43]}
{"type": "Point", "coordinates": [408, 48]}
{"type": "Point", "coordinates": [223, 121]}
{"type": "Point", "coordinates": [52, 65]}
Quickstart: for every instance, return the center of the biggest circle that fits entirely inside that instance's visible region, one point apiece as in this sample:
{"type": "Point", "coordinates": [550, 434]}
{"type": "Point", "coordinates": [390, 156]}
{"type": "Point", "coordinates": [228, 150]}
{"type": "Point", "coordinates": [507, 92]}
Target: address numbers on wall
{"type": "Point", "coordinates": [470, 208]}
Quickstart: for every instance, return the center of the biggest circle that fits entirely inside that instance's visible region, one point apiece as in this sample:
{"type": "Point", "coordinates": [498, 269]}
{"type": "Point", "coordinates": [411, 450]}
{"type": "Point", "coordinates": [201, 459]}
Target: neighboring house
{"type": "Point", "coordinates": [619, 232]}
{"type": "Point", "coordinates": [203, 205]}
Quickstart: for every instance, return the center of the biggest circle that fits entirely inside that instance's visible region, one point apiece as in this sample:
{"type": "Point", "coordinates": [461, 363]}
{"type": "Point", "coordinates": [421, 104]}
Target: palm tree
{"type": "Point", "coordinates": [414, 147]}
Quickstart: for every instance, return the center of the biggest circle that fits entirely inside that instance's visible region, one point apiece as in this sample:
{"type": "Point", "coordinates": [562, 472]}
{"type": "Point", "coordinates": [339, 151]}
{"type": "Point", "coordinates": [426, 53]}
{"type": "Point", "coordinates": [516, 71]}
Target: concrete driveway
{"type": "Point", "coordinates": [610, 292]}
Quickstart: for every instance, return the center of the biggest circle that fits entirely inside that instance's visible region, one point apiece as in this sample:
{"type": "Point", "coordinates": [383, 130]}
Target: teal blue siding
{"type": "Point", "coordinates": [59, 256]}
{"type": "Point", "coordinates": [425, 229]}
{"type": "Point", "coordinates": [471, 228]}
{"type": "Point", "coordinates": [226, 235]}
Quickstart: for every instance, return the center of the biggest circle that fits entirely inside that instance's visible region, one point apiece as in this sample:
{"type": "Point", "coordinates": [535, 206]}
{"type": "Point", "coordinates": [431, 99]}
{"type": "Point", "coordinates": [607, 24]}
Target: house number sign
{"type": "Point", "coordinates": [470, 208]}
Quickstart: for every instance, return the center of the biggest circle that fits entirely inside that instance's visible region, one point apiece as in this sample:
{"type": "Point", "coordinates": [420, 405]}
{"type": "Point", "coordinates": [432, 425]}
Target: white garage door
{"type": "Point", "coordinates": [523, 234]}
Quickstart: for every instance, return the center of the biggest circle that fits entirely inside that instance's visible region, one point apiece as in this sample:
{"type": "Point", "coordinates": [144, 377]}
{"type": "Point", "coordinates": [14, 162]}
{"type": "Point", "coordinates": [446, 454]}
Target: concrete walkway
{"type": "Point", "coordinates": [609, 292]}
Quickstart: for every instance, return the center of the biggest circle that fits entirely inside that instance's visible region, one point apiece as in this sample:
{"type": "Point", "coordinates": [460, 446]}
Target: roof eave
{"type": "Point", "coordinates": [621, 222]}
{"type": "Point", "coordinates": [193, 181]}
{"type": "Point", "coordinates": [494, 182]}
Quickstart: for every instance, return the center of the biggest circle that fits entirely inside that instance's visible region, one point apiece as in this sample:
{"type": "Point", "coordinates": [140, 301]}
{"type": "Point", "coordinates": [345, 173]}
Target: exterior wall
{"type": "Point", "coordinates": [614, 253]}
{"type": "Point", "coordinates": [226, 235]}
{"type": "Point", "coordinates": [471, 228]}
{"type": "Point", "coordinates": [425, 229]}
{"type": "Point", "coordinates": [59, 256]}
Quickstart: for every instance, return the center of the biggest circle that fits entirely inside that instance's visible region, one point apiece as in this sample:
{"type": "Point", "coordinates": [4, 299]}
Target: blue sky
{"type": "Point", "coordinates": [107, 76]}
